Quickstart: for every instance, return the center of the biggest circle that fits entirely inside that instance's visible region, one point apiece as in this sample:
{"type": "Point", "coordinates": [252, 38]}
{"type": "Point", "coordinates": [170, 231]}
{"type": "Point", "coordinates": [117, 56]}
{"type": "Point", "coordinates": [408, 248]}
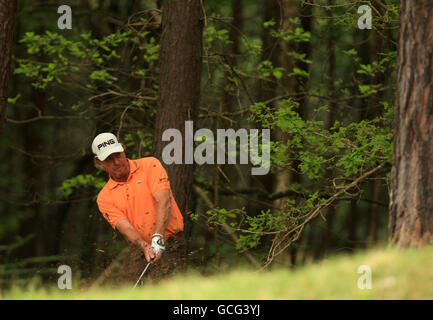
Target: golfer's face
{"type": "Point", "coordinates": [116, 165]}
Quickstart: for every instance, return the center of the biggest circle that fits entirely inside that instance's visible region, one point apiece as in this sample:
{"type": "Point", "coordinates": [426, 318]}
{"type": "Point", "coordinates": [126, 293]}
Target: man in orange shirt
{"type": "Point", "coordinates": [137, 201]}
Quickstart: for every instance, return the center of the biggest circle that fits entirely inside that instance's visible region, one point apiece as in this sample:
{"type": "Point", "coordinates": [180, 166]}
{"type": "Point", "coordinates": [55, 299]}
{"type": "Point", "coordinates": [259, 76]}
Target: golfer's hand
{"type": "Point", "coordinates": [149, 254]}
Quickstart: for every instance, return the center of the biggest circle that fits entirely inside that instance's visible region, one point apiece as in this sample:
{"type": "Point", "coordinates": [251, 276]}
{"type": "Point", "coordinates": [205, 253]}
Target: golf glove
{"type": "Point", "coordinates": [158, 244]}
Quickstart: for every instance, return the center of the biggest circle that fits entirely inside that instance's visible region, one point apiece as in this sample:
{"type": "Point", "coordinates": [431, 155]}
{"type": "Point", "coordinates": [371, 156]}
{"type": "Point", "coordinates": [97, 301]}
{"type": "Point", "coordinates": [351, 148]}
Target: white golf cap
{"type": "Point", "coordinates": [105, 144]}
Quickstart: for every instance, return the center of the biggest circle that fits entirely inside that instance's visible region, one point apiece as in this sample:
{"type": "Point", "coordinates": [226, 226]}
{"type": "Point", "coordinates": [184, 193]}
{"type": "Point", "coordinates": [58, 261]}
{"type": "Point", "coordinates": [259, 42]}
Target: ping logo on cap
{"type": "Point", "coordinates": [106, 143]}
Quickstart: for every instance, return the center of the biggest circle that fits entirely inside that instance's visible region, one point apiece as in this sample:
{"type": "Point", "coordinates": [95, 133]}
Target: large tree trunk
{"type": "Point", "coordinates": [179, 92]}
{"type": "Point", "coordinates": [7, 22]}
{"type": "Point", "coordinates": [411, 200]}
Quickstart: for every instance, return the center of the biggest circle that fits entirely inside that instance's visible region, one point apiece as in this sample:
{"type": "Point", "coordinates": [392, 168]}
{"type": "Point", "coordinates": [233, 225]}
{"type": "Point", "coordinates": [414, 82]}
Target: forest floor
{"type": "Point", "coordinates": [395, 274]}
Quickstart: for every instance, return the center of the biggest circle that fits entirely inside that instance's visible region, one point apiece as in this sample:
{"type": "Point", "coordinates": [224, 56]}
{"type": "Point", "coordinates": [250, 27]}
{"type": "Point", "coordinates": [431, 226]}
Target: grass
{"type": "Point", "coordinates": [396, 274]}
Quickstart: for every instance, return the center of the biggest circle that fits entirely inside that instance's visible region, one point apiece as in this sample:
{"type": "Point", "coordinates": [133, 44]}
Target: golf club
{"type": "Point", "coordinates": [142, 274]}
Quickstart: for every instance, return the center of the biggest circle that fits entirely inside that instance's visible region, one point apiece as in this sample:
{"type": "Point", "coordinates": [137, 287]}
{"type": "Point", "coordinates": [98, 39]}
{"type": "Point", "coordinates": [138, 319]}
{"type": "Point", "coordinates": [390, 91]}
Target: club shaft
{"type": "Point", "coordinates": [141, 275]}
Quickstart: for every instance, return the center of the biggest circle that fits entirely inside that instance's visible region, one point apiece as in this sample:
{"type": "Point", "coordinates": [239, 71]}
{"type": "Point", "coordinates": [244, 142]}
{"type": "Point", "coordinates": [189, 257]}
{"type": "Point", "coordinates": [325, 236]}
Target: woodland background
{"type": "Point", "coordinates": [325, 88]}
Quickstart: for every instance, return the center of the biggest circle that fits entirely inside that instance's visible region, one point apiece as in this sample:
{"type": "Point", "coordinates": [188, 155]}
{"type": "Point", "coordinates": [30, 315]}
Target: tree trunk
{"type": "Point", "coordinates": [7, 22]}
{"type": "Point", "coordinates": [330, 212]}
{"type": "Point", "coordinates": [179, 91]}
{"type": "Point", "coordinates": [233, 55]}
{"type": "Point", "coordinates": [373, 213]}
{"type": "Point", "coordinates": [352, 225]}
{"type": "Point", "coordinates": [286, 10]}
{"type": "Point", "coordinates": [411, 201]}
{"type": "Point", "coordinates": [371, 105]}
{"type": "Point", "coordinates": [305, 13]}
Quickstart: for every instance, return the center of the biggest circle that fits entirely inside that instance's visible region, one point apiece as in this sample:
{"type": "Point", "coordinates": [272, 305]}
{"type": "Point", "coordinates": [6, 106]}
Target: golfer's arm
{"type": "Point", "coordinates": [130, 234]}
{"type": "Point", "coordinates": [163, 201]}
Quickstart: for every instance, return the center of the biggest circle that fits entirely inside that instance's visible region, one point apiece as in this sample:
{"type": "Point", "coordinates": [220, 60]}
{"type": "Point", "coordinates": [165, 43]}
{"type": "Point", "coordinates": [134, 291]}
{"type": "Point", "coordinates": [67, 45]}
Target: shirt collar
{"type": "Point", "coordinates": [133, 166]}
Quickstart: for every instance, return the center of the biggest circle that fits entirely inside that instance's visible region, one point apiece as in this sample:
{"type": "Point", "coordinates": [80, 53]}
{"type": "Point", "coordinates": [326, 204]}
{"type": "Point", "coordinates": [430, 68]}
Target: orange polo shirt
{"type": "Point", "coordinates": [134, 200]}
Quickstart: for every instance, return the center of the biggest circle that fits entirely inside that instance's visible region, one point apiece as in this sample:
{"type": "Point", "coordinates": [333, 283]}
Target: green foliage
{"type": "Point", "coordinates": [14, 100]}
{"type": "Point", "coordinates": [103, 75]}
{"type": "Point", "coordinates": [294, 34]}
{"type": "Point", "coordinates": [261, 113]}
{"type": "Point", "coordinates": [353, 148]}
{"type": "Point", "coordinates": [367, 74]}
{"type": "Point", "coordinates": [139, 142]}
{"type": "Point", "coordinates": [325, 156]}
{"type": "Point", "coordinates": [252, 47]}
{"type": "Point", "coordinates": [219, 216]}
{"type": "Point", "coordinates": [79, 182]}
{"type": "Point", "coordinates": [346, 150]}
{"type": "Point", "coordinates": [266, 69]}
{"type": "Point", "coordinates": [269, 23]}
{"type": "Point", "coordinates": [299, 56]}
{"type": "Point", "coordinates": [70, 58]}
{"type": "Point", "coordinates": [255, 227]}
{"type": "Point", "coordinates": [214, 37]}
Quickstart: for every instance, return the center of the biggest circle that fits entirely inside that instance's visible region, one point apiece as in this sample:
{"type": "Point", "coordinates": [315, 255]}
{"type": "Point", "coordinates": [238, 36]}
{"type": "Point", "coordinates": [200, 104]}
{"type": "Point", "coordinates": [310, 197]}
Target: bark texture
{"type": "Point", "coordinates": [7, 22]}
{"type": "Point", "coordinates": [179, 92]}
{"type": "Point", "coordinates": [411, 199]}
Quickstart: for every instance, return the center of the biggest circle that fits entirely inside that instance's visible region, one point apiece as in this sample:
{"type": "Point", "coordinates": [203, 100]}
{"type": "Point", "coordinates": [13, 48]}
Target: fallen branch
{"type": "Point", "coordinates": [282, 242]}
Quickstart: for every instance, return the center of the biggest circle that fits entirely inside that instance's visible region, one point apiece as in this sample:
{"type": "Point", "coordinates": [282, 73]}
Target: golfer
{"type": "Point", "coordinates": [137, 201]}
